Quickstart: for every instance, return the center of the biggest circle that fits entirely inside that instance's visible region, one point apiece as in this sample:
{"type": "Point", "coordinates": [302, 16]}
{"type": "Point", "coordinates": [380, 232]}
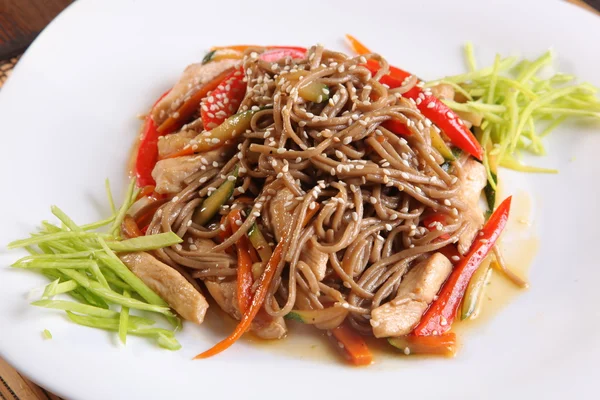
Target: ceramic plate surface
{"type": "Point", "coordinates": [68, 118]}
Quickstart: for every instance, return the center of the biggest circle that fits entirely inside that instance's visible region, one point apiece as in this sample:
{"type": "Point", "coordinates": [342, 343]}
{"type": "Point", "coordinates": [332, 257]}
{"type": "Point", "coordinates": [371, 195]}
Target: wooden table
{"type": "Point", "coordinates": [20, 22]}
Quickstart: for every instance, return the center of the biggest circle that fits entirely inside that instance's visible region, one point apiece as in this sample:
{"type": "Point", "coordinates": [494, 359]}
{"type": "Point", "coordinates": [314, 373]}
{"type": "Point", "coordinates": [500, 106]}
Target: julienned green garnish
{"type": "Point", "coordinates": [82, 263]}
{"type": "Point", "coordinates": [519, 106]}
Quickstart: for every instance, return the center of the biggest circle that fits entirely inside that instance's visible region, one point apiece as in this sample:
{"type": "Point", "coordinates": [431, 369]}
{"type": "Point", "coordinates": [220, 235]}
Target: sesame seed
{"type": "Point", "coordinates": [388, 227]}
{"type": "Point", "coordinates": [455, 258]}
{"type": "Point", "coordinates": [280, 175]}
{"type": "Point", "coordinates": [347, 140]}
{"type": "Point", "coordinates": [231, 178]}
{"type": "Point", "coordinates": [447, 202]}
{"type": "Point", "coordinates": [355, 216]}
{"type": "Point", "coordinates": [407, 351]}
{"type": "Point", "coordinates": [281, 150]}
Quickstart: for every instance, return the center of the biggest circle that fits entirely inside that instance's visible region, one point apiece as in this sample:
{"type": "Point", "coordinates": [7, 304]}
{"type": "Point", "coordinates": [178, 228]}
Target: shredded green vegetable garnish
{"type": "Point", "coordinates": [519, 107]}
{"type": "Point", "coordinates": [81, 263]}
{"type": "Point", "coordinates": [47, 334]}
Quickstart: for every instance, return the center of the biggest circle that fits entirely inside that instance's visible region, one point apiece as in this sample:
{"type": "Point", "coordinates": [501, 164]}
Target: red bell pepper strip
{"type": "Point", "coordinates": [224, 101]}
{"type": "Point", "coordinates": [352, 345]}
{"type": "Point", "coordinates": [432, 220]}
{"type": "Point", "coordinates": [440, 315]}
{"type": "Point", "coordinates": [451, 124]}
{"type": "Point", "coordinates": [279, 53]}
{"type": "Point", "coordinates": [259, 296]}
{"type": "Point", "coordinates": [430, 106]}
{"type": "Point", "coordinates": [148, 150]}
{"type": "Point", "coordinates": [244, 263]}
{"type": "Point", "coordinates": [177, 119]}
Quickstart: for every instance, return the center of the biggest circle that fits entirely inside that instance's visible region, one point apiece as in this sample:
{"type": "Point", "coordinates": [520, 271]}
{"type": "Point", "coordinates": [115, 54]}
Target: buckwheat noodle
{"type": "Point", "coordinates": [372, 186]}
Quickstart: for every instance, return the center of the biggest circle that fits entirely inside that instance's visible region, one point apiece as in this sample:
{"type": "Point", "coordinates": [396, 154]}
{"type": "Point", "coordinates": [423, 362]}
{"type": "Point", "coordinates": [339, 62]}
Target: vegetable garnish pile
{"type": "Point", "coordinates": [517, 107]}
{"type": "Point", "coordinates": [81, 262]}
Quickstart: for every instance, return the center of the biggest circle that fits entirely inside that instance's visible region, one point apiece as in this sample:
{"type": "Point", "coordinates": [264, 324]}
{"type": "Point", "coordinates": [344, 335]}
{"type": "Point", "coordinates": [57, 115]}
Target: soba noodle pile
{"type": "Point", "coordinates": [371, 187]}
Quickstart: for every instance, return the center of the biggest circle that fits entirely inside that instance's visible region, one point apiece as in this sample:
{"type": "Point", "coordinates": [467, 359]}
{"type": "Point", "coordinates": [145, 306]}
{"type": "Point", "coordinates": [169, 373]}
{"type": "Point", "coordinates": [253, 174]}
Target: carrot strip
{"type": "Point", "coordinates": [191, 106]}
{"type": "Point", "coordinates": [256, 304]}
{"type": "Point", "coordinates": [357, 46]}
{"type": "Point", "coordinates": [145, 191]}
{"type": "Point", "coordinates": [130, 227]}
{"type": "Point", "coordinates": [259, 295]}
{"type": "Point", "coordinates": [186, 151]}
{"type": "Point", "coordinates": [352, 345]}
{"type": "Point", "coordinates": [244, 267]}
{"type": "Point", "coordinates": [244, 47]}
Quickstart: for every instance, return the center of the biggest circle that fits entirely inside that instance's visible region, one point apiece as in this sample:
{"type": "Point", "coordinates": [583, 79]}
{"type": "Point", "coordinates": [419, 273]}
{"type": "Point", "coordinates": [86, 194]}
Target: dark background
{"type": "Point", "coordinates": [22, 20]}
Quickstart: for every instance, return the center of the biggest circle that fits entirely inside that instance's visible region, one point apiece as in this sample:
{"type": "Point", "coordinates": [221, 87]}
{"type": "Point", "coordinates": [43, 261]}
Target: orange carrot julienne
{"type": "Point", "coordinates": [189, 107]}
{"type": "Point", "coordinates": [352, 345]}
{"type": "Point", "coordinates": [256, 304]}
{"type": "Point", "coordinates": [130, 228]}
{"type": "Point", "coordinates": [186, 151]}
{"type": "Point", "coordinates": [244, 267]}
{"type": "Point", "coordinates": [259, 295]}
{"type": "Point", "coordinates": [244, 47]}
{"type": "Point", "coordinates": [357, 46]}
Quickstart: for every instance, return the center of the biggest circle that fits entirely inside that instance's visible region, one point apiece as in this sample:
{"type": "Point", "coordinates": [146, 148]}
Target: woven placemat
{"type": "Point", "coordinates": [6, 67]}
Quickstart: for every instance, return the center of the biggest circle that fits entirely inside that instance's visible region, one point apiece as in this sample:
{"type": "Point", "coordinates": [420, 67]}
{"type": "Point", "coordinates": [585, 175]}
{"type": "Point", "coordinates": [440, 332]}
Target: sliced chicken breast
{"type": "Point", "coordinates": [224, 294]}
{"type": "Point", "coordinates": [315, 259]}
{"type": "Point", "coordinates": [417, 290]}
{"type": "Point", "coordinates": [168, 284]}
{"type": "Point", "coordinates": [194, 77]}
{"type": "Point", "coordinates": [170, 173]}
{"type": "Point", "coordinates": [174, 142]}
{"type": "Point", "coordinates": [280, 208]}
{"type": "Point", "coordinates": [472, 183]}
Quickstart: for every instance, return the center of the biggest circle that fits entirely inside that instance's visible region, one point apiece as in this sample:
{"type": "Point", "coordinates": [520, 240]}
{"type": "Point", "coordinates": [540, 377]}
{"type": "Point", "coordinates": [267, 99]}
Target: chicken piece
{"type": "Point", "coordinates": [417, 290]}
{"type": "Point", "coordinates": [168, 284]}
{"type": "Point", "coordinates": [193, 79]}
{"type": "Point", "coordinates": [225, 294]}
{"type": "Point", "coordinates": [315, 259]}
{"type": "Point", "coordinates": [443, 91]}
{"type": "Point", "coordinates": [170, 173]}
{"type": "Point", "coordinates": [174, 142]}
{"type": "Point", "coordinates": [280, 209]}
{"type": "Point", "coordinates": [472, 183]}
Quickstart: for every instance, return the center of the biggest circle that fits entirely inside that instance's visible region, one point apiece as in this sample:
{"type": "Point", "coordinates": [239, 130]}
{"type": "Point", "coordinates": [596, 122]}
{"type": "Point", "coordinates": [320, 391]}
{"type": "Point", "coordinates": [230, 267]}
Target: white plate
{"type": "Point", "coordinates": [67, 118]}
